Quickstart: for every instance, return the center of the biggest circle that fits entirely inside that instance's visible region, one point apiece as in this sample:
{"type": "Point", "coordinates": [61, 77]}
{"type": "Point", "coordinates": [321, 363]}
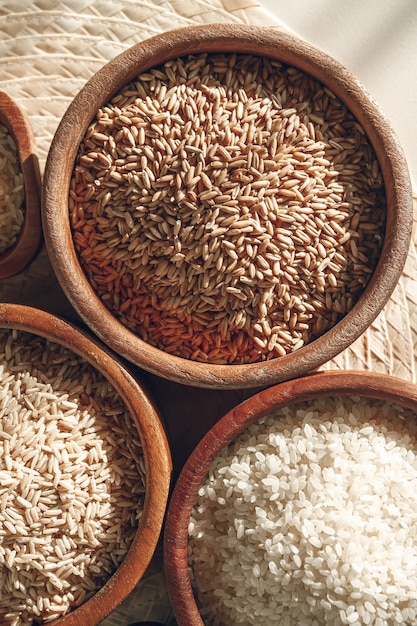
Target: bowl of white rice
{"type": "Point", "coordinates": [84, 474]}
{"type": "Point", "coordinates": [226, 206]}
{"type": "Point", "coordinates": [299, 507]}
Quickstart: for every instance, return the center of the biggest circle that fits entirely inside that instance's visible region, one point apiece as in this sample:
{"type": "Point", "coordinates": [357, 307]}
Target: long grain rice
{"type": "Point", "coordinates": [72, 480]}
{"type": "Point", "coordinates": [309, 518]}
{"type": "Point", "coordinates": [217, 192]}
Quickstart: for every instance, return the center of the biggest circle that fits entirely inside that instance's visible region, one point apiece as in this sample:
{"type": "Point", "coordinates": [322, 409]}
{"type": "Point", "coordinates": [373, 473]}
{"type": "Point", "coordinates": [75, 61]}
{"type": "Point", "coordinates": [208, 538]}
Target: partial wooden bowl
{"type": "Point", "coordinates": [224, 38]}
{"type": "Point", "coordinates": [18, 256]}
{"type": "Point", "coordinates": [156, 452]}
{"type": "Point", "coordinates": [325, 384]}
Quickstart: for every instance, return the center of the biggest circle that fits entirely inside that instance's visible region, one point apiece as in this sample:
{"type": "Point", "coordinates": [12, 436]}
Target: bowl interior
{"type": "Point", "coordinates": [15, 258]}
{"type": "Point", "coordinates": [154, 444]}
{"type": "Point", "coordinates": [315, 386]}
{"type": "Point", "coordinates": [250, 40]}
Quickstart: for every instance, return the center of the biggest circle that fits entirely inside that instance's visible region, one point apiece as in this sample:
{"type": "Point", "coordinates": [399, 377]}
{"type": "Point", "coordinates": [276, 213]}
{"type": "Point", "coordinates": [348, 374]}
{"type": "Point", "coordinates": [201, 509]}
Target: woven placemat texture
{"type": "Point", "coordinates": [390, 343]}
{"type": "Point", "coordinates": [49, 49]}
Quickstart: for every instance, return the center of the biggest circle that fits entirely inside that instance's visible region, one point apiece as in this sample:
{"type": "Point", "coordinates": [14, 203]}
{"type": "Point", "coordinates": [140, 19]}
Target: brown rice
{"type": "Point", "coordinates": [227, 208]}
{"type": "Point", "coordinates": [72, 480]}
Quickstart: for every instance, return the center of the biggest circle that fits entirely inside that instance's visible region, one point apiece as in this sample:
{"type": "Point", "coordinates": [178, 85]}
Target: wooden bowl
{"type": "Point", "coordinates": [156, 453]}
{"type": "Point", "coordinates": [224, 38]}
{"type": "Point", "coordinates": [319, 385]}
{"type": "Point", "coordinates": [15, 258]}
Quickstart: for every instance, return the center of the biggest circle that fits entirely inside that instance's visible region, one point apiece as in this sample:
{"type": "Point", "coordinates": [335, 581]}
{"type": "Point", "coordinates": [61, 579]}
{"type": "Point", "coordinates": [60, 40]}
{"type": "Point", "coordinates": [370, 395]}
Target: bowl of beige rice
{"type": "Point", "coordinates": [299, 507]}
{"type": "Point", "coordinates": [226, 206]}
{"type": "Point", "coordinates": [84, 474]}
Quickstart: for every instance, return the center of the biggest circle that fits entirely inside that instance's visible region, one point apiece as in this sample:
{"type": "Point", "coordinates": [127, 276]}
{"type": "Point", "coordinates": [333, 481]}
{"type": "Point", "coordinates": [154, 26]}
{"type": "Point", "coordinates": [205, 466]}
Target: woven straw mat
{"type": "Point", "coordinates": [49, 49]}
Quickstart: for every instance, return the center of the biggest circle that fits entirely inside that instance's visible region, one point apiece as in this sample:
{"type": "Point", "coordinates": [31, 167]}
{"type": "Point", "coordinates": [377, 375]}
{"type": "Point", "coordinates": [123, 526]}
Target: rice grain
{"type": "Point", "coordinates": [310, 517]}
{"type": "Point", "coordinates": [66, 518]}
{"type": "Point", "coordinates": [243, 165]}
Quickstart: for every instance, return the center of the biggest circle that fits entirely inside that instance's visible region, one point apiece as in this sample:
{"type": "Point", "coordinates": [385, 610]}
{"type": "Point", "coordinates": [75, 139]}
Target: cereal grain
{"type": "Point", "coordinates": [233, 170]}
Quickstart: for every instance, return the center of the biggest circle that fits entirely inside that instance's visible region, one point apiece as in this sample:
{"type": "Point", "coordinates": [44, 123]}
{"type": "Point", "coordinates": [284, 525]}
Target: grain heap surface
{"type": "Point", "coordinates": [71, 480]}
{"type": "Point", "coordinates": [11, 191]}
{"type": "Point", "coordinates": [309, 518]}
{"type": "Point", "coordinates": [227, 208]}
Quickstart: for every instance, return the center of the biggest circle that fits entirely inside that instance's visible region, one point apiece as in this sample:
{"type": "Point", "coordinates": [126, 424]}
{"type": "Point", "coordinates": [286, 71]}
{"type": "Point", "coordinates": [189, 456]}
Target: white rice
{"type": "Point", "coordinates": [71, 480]}
{"type": "Point", "coordinates": [309, 518]}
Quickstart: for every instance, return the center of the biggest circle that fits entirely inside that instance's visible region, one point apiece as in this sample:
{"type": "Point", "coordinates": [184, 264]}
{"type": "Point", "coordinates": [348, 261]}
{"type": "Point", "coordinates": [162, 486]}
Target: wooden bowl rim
{"type": "Point", "coordinates": [14, 259]}
{"type": "Point", "coordinates": [157, 456]}
{"type": "Point", "coordinates": [250, 39]}
{"type": "Point", "coordinates": [323, 384]}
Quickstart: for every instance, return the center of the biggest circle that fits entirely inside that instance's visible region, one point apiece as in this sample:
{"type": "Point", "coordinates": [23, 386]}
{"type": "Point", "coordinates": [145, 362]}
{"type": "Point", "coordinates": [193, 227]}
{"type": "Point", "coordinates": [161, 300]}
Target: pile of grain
{"type": "Point", "coordinates": [71, 480]}
{"type": "Point", "coordinates": [11, 191]}
{"type": "Point", "coordinates": [227, 208]}
{"type": "Point", "coordinates": [309, 518]}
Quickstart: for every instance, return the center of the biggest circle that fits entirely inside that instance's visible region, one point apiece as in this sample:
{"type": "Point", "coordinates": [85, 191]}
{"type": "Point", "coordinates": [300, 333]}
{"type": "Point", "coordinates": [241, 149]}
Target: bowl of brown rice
{"type": "Point", "coordinates": [20, 190]}
{"type": "Point", "coordinates": [299, 507]}
{"type": "Point", "coordinates": [84, 474]}
{"type": "Point", "coordinates": [226, 206]}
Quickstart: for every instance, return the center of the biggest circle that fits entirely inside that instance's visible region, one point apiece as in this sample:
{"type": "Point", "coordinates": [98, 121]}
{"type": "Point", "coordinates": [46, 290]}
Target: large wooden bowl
{"type": "Point", "coordinates": [15, 258]}
{"type": "Point", "coordinates": [325, 384]}
{"type": "Point", "coordinates": [224, 38]}
{"type": "Point", "coordinates": [156, 452]}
